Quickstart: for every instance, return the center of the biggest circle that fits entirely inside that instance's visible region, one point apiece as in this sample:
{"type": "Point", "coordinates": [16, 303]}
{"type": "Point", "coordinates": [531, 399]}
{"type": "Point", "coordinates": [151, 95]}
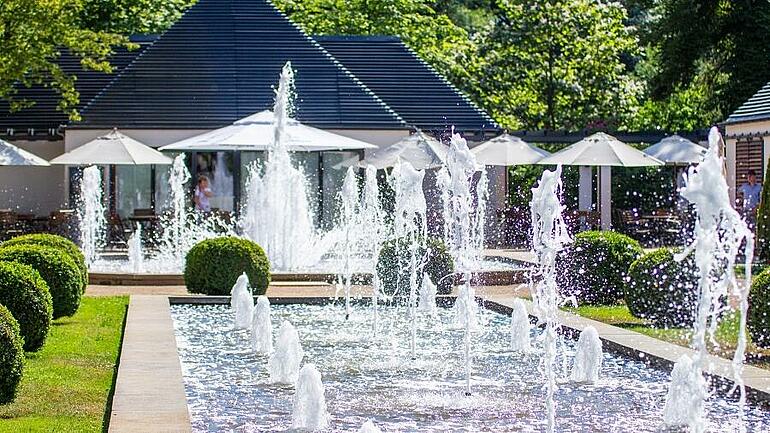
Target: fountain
{"type": "Point", "coordinates": [309, 401]}
{"type": "Point", "coordinates": [588, 357]}
{"type": "Point", "coordinates": [277, 214]}
{"type": "Point", "coordinates": [284, 363]}
{"type": "Point", "coordinates": [719, 232]}
{"type": "Point", "coordinates": [241, 302]}
{"type": "Point", "coordinates": [374, 232]}
{"type": "Point", "coordinates": [549, 236]}
{"type": "Point", "coordinates": [91, 214]}
{"type": "Point", "coordinates": [350, 204]}
{"type": "Point", "coordinates": [135, 253]}
{"type": "Point", "coordinates": [410, 230]}
{"type": "Point", "coordinates": [464, 231]}
{"type": "Point", "coordinates": [686, 396]}
{"type": "Point", "coordinates": [427, 295]}
{"type": "Point", "coordinates": [262, 327]}
{"type": "Point", "coordinates": [369, 427]}
{"type": "Point", "coordinates": [520, 327]}
{"type": "Point", "coordinates": [176, 237]}
{"type": "Point", "coordinates": [222, 184]}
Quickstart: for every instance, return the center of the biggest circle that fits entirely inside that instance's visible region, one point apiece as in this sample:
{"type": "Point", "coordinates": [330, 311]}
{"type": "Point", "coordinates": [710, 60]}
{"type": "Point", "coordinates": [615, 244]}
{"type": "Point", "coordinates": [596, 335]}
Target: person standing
{"type": "Point", "coordinates": [202, 194]}
{"type": "Point", "coordinates": [751, 191]}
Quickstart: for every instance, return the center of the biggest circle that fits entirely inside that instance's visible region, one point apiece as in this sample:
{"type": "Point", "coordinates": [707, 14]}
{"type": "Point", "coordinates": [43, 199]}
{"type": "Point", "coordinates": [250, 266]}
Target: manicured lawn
{"type": "Point", "coordinates": [66, 385]}
{"type": "Point", "coordinates": [726, 334]}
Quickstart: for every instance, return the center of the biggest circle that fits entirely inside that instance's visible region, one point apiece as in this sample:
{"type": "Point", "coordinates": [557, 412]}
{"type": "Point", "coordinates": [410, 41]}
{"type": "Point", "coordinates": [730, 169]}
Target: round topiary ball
{"type": "Point", "coordinates": [662, 290]}
{"type": "Point", "coordinates": [212, 266]}
{"type": "Point", "coordinates": [758, 318]}
{"type": "Point", "coordinates": [11, 356]}
{"type": "Point", "coordinates": [55, 241]}
{"type": "Point", "coordinates": [393, 266]}
{"type": "Point", "coordinates": [59, 271]}
{"type": "Point", "coordinates": [24, 292]}
{"type": "Point", "coordinates": [594, 268]}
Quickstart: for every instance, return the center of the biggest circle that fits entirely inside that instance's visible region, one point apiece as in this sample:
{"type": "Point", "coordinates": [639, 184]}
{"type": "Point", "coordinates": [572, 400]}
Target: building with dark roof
{"type": "Point", "coordinates": [220, 62]}
{"type": "Point", "coordinates": [747, 139]}
{"type": "Point", "coordinates": [411, 87]}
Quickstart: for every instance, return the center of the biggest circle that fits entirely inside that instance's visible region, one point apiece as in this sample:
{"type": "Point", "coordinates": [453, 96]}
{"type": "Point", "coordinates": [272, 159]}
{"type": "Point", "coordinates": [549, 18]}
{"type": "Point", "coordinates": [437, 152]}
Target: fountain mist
{"type": "Point", "coordinates": [719, 232]}
{"type": "Point", "coordinates": [277, 214]}
{"type": "Point", "coordinates": [427, 295]}
{"type": "Point", "coordinates": [549, 236]}
{"type": "Point", "coordinates": [91, 214]}
{"type": "Point", "coordinates": [374, 232]}
{"type": "Point", "coordinates": [350, 205]}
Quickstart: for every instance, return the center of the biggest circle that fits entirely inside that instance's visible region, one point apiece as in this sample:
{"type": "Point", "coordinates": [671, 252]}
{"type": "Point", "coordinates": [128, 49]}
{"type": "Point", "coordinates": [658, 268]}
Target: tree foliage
{"type": "Point", "coordinates": [32, 36]}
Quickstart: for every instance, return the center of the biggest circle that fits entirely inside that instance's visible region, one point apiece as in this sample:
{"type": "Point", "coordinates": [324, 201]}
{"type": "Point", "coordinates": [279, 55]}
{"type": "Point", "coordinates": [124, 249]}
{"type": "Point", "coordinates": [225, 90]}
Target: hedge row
{"type": "Point", "coordinates": [42, 277]}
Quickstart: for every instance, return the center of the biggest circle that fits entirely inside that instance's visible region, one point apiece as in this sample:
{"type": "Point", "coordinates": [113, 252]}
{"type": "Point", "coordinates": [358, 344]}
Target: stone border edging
{"type": "Point", "coordinates": [149, 390]}
{"type": "Point", "coordinates": [652, 351]}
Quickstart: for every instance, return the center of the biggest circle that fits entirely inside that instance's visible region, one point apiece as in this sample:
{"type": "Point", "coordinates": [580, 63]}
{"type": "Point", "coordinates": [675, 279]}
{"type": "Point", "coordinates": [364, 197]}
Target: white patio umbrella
{"type": "Point", "coordinates": [605, 151]}
{"type": "Point", "coordinates": [11, 155]}
{"type": "Point", "coordinates": [255, 133]}
{"type": "Point", "coordinates": [505, 150]}
{"type": "Point", "coordinates": [675, 150]}
{"type": "Point", "coordinates": [419, 150]}
{"type": "Point", "coordinates": [114, 148]}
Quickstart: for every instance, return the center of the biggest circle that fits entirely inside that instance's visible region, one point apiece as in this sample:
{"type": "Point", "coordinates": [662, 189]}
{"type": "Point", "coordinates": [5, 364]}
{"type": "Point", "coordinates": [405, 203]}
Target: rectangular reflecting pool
{"type": "Point", "coordinates": [373, 377]}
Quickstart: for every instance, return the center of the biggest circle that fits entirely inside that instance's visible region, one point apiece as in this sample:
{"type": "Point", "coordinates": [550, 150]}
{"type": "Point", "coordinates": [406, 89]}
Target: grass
{"type": "Point", "coordinates": [67, 385]}
{"type": "Point", "coordinates": [726, 334]}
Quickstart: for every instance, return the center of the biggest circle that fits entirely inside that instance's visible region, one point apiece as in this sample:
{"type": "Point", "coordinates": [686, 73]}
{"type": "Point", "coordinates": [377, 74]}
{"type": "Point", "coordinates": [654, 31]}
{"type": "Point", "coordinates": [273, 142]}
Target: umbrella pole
{"type": "Point", "coordinates": [113, 181]}
{"type": "Point", "coordinates": [152, 187]}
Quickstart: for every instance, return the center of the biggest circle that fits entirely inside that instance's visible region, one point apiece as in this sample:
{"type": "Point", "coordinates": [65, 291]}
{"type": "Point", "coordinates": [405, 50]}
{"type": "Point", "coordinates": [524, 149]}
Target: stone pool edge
{"type": "Point", "coordinates": [651, 351]}
{"type": "Point", "coordinates": [149, 390]}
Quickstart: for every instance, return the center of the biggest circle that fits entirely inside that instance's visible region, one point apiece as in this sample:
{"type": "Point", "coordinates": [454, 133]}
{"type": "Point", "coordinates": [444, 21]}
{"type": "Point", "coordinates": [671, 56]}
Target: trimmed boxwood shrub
{"type": "Point", "coordinates": [594, 268]}
{"type": "Point", "coordinates": [55, 241]}
{"type": "Point", "coordinates": [59, 271]}
{"type": "Point", "coordinates": [11, 356]}
{"type": "Point", "coordinates": [24, 292]}
{"type": "Point", "coordinates": [212, 266]}
{"type": "Point", "coordinates": [662, 290]}
{"type": "Point", "coordinates": [393, 265]}
{"type": "Point", "coordinates": [758, 319]}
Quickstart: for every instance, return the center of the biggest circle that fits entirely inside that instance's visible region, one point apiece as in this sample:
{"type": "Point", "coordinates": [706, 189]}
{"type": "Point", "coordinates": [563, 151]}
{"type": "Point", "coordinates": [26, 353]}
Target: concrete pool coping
{"type": "Point", "coordinates": [150, 392]}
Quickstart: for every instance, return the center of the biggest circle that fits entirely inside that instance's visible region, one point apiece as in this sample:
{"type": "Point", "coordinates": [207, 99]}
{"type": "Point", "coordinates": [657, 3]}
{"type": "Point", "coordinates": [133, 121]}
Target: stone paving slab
{"type": "Point", "coordinates": [149, 391]}
{"type": "Point", "coordinates": [654, 351]}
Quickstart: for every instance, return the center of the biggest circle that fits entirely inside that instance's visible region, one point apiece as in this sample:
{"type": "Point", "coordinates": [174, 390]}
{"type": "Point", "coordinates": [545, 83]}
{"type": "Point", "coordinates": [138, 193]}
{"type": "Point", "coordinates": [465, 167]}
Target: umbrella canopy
{"type": "Point", "coordinates": [113, 149]}
{"type": "Point", "coordinates": [601, 150]}
{"type": "Point", "coordinates": [256, 133]}
{"type": "Point", "coordinates": [419, 150]}
{"type": "Point", "coordinates": [12, 155]}
{"type": "Point", "coordinates": [675, 150]}
{"type": "Point", "coordinates": [508, 150]}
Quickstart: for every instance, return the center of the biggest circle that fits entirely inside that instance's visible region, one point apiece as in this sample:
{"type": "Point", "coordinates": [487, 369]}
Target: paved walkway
{"type": "Point", "coordinates": [149, 391]}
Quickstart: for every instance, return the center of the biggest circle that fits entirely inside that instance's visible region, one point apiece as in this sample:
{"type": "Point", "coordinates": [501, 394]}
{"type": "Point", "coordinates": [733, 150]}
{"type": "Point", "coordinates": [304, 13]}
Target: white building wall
{"type": "Point", "coordinates": [34, 190]}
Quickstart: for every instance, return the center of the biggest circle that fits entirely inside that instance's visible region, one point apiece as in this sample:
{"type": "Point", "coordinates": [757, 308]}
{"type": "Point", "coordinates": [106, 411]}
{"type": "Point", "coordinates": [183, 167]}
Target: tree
{"type": "Point", "coordinates": [130, 17]}
{"type": "Point", "coordinates": [708, 41]}
{"type": "Point", "coordinates": [558, 64]}
{"type": "Point", "coordinates": [32, 36]}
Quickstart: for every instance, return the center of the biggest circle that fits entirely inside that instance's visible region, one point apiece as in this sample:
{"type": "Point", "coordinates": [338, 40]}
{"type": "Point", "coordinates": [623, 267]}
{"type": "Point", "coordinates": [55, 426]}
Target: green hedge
{"type": "Point", "coordinates": [393, 266]}
{"type": "Point", "coordinates": [24, 292]}
{"type": "Point", "coordinates": [55, 241]}
{"type": "Point", "coordinates": [11, 356]}
{"type": "Point", "coordinates": [212, 266]}
{"type": "Point", "coordinates": [758, 319]}
{"type": "Point", "coordinates": [662, 290]}
{"type": "Point", "coordinates": [594, 268]}
{"type": "Point", "coordinates": [59, 271]}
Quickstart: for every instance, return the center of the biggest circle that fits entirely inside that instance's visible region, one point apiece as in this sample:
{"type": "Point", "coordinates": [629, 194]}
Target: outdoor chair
{"type": "Point", "coordinates": [9, 224]}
